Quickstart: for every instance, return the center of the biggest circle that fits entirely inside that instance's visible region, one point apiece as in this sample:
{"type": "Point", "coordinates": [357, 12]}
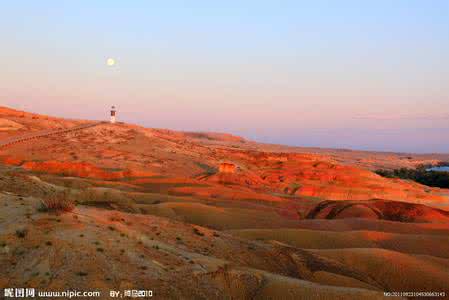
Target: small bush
{"type": "Point", "coordinates": [21, 233]}
{"type": "Point", "coordinates": [57, 202]}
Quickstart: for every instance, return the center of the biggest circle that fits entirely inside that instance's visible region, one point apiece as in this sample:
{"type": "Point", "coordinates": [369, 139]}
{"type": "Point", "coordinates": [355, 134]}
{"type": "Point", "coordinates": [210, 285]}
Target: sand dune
{"type": "Point", "coordinates": [86, 247]}
{"type": "Point", "coordinates": [393, 270]}
{"type": "Point", "coordinates": [374, 225]}
{"type": "Point", "coordinates": [249, 284]}
{"type": "Point", "coordinates": [218, 217]}
{"type": "Point", "coordinates": [436, 245]}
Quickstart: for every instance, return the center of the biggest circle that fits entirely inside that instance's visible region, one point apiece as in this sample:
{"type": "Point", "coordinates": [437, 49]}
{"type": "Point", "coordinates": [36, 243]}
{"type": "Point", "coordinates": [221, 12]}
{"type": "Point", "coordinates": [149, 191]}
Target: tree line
{"type": "Point", "coordinates": [420, 174]}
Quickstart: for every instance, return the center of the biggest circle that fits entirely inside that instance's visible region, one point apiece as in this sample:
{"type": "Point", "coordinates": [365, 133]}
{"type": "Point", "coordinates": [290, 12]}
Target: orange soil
{"type": "Point", "coordinates": [81, 170]}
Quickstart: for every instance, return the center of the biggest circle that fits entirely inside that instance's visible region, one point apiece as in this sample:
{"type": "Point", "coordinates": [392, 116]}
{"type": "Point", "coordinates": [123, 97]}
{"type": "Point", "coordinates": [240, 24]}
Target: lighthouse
{"type": "Point", "coordinates": [113, 112]}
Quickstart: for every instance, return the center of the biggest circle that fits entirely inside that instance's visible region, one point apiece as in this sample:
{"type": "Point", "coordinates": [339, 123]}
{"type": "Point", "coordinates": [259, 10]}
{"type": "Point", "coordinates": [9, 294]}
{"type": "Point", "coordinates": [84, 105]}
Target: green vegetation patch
{"type": "Point", "coordinates": [420, 174]}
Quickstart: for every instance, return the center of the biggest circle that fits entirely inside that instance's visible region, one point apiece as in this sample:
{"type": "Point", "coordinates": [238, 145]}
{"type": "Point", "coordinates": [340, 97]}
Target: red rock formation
{"type": "Point", "coordinates": [227, 168]}
{"type": "Point", "coordinates": [8, 160]}
{"type": "Point", "coordinates": [378, 209]}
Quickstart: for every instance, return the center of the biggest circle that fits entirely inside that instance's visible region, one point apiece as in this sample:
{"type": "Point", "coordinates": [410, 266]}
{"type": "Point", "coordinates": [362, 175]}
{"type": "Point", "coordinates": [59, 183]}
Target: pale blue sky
{"type": "Point", "coordinates": [358, 74]}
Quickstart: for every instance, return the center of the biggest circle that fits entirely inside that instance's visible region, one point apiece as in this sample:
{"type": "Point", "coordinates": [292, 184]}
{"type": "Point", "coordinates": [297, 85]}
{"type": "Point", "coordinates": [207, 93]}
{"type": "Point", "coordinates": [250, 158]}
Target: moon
{"type": "Point", "coordinates": [110, 62]}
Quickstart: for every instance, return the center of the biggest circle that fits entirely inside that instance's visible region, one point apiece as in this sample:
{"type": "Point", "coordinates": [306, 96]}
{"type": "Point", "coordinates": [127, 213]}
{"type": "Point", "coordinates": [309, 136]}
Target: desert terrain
{"type": "Point", "coordinates": [198, 215]}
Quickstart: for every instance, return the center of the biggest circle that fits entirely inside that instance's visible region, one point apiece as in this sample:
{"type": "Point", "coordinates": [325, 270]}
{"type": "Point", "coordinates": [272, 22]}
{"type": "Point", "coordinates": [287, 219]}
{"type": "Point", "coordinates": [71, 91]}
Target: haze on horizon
{"type": "Point", "coordinates": [345, 74]}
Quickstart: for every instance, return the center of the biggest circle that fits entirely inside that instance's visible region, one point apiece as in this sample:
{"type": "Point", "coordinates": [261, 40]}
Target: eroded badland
{"type": "Point", "coordinates": [211, 216]}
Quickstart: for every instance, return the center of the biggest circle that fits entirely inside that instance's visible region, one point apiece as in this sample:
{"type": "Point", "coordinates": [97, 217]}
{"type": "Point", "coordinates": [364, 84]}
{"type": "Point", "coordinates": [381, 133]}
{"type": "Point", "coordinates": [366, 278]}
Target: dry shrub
{"type": "Point", "coordinates": [58, 202]}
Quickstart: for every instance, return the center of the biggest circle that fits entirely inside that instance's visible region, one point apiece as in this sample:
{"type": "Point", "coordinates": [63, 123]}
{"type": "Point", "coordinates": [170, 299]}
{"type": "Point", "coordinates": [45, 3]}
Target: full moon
{"type": "Point", "coordinates": [110, 62]}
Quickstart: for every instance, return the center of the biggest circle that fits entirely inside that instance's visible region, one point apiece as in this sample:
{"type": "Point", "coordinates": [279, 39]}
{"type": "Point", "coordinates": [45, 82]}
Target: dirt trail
{"type": "Point", "coordinates": [44, 133]}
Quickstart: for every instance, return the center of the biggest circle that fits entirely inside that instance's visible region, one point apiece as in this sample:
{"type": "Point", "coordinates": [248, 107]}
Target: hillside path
{"type": "Point", "coordinates": [44, 133]}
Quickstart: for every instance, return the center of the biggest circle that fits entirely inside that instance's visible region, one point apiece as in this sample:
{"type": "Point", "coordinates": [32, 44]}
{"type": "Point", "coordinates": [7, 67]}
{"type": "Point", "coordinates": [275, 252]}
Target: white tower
{"type": "Point", "coordinates": [113, 111]}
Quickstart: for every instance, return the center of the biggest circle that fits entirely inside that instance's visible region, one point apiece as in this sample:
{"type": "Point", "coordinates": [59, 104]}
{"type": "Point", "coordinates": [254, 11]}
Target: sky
{"type": "Point", "coordinates": [370, 75]}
